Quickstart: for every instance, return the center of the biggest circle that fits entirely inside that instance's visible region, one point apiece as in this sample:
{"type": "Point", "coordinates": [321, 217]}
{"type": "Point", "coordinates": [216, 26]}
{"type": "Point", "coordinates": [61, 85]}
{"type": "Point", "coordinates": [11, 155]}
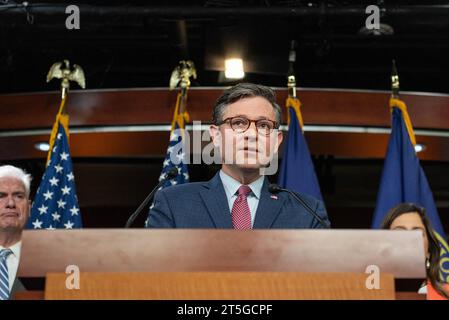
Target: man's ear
{"type": "Point", "coordinates": [280, 138]}
{"type": "Point", "coordinates": [29, 207]}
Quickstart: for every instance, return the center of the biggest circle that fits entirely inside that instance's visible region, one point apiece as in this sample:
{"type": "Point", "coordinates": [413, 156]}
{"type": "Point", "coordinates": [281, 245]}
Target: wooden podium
{"type": "Point", "coordinates": [221, 264]}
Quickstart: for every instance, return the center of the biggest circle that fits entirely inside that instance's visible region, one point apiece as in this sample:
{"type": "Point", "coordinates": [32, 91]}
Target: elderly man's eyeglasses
{"type": "Point", "coordinates": [241, 124]}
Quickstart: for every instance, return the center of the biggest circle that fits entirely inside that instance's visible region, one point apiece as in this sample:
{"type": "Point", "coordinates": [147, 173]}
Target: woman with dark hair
{"type": "Point", "coordinates": [408, 216]}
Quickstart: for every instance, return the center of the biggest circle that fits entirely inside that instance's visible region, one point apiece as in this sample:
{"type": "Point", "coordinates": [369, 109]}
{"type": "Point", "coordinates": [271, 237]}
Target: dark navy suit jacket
{"type": "Point", "coordinates": [204, 205]}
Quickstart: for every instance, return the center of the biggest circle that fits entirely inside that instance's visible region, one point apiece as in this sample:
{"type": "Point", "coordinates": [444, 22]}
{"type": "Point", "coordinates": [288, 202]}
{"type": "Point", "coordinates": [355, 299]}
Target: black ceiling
{"type": "Point", "coordinates": [135, 44]}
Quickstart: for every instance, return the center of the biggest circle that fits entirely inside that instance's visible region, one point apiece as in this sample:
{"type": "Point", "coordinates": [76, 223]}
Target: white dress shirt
{"type": "Point", "coordinates": [13, 262]}
{"type": "Point", "coordinates": [423, 290]}
{"type": "Point", "coordinates": [231, 187]}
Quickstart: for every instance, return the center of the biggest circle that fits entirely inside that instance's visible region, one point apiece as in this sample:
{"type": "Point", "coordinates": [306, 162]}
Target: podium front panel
{"type": "Point", "coordinates": [399, 253]}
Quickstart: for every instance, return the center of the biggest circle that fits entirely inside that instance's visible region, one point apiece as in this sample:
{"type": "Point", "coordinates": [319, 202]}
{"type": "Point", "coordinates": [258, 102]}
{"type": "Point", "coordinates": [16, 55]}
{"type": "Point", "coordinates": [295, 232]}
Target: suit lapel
{"type": "Point", "coordinates": [268, 209]}
{"type": "Point", "coordinates": [16, 287]}
{"type": "Point", "coordinates": [214, 198]}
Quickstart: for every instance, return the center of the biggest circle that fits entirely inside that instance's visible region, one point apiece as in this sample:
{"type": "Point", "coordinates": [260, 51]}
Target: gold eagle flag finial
{"type": "Point", "coordinates": [181, 75]}
{"type": "Point", "coordinates": [62, 70]}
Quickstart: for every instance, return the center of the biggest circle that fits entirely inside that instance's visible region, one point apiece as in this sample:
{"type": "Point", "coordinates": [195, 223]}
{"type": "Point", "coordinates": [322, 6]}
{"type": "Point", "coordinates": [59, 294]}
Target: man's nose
{"type": "Point", "coordinates": [252, 130]}
{"type": "Point", "coordinates": [10, 202]}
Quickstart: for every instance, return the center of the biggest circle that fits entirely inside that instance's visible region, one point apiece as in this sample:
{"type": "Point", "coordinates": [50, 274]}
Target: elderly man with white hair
{"type": "Point", "coordinates": [14, 212]}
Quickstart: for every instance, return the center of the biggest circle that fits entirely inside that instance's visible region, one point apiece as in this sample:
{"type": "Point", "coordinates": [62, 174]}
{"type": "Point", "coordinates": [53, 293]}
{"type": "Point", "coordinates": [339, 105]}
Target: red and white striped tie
{"type": "Point", "coordinates": [241, 216]}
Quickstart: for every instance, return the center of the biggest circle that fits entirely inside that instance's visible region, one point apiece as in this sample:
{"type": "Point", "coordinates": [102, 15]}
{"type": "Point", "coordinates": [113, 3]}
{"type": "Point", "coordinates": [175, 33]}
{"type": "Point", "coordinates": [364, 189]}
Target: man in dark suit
{"type": "Point", "coordinates": [245, 131]}
{"type": "Point", "coordinates": [14, 212]}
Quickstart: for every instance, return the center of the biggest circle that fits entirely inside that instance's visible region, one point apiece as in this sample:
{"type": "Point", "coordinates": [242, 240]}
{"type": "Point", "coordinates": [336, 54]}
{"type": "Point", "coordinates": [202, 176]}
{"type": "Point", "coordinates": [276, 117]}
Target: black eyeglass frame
{"type": "Point", "coordinates": [229, 120]}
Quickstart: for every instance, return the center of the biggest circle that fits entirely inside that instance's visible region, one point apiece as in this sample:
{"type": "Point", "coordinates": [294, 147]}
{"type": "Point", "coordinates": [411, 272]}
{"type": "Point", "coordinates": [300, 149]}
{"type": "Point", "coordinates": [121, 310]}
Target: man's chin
{"type": "Point", "coordinates": [9, 225]}
{"type": "Point", "coordinates": [249, 165]}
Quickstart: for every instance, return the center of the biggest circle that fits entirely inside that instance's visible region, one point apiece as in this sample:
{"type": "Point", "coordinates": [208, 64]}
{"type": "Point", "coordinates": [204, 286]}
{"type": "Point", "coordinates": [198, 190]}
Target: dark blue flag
{"type": "Point", "coordinates": [297, 172]}
{"type": "Point", "coordinates": [403, 180]}
{"type": "Point", "coordinates": [56, 204]}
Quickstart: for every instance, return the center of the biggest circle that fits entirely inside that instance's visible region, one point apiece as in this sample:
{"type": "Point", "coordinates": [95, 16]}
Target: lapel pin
{"type": "Point", "coordinates": [274, 197]}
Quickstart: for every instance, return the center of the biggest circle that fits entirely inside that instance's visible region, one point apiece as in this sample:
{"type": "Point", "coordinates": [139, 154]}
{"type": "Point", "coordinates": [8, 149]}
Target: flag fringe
{"type": "Point", "coordinates": [396, 103]}
{"type": "Point", "coordinates": [295, 104]}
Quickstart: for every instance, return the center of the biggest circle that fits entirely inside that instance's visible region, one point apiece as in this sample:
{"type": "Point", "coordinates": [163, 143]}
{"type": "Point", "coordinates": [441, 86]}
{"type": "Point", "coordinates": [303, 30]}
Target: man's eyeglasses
{"type": "Point", "coordinates": [241, 124]}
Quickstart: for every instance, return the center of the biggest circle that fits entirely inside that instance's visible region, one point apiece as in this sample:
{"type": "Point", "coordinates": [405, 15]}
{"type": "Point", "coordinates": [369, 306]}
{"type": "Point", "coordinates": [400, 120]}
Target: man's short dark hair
{"type": "Point", "coordinates": [241, 91]}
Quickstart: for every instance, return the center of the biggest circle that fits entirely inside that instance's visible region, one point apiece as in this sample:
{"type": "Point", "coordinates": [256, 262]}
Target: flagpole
{"type": "Point", "coordinates": [395, 101]}
{"type": "Point", "coordinates": [292, 100]}
{"type": "Point", "coordinates": [62, 70]}
{"type": "Point", "coordinates": [180, 77]}
{"type": "Point", "coordinates": [291, 80]}
{"type": "Point", "coordinates": [394, 81]}
{"type": "Point", "coordinates": [56, 204]}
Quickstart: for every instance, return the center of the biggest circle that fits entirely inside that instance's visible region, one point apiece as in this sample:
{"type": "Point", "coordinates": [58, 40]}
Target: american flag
{"type": "Point", "coordinates": [56, 204]}
{"type": "Point", "coordinates": [175, 158]}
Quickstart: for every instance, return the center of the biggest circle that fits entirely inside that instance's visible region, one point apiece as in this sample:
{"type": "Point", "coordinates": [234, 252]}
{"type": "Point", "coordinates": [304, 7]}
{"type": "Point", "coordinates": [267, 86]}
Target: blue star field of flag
{"type": "Point", "coordinates": [56, 204]}
{"type": "Point", "coordinates": [175, 158]}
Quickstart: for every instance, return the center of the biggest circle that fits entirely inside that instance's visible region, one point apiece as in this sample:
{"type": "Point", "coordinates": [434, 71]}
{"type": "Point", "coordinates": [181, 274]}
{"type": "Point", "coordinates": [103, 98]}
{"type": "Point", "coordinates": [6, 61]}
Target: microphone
{"type": "Point", "coordinates": [172, 173]}
{"type": "Point", "coordinates": [274, 188]}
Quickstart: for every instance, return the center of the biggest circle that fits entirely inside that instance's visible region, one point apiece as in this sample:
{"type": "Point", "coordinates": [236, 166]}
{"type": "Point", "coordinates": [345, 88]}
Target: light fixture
{"type": "Point", "coordinates": [234, 68]}
{"type": "Point", "coordinates": [42, 146]}
{"type": "Point", "coordinates": [419, 147]}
